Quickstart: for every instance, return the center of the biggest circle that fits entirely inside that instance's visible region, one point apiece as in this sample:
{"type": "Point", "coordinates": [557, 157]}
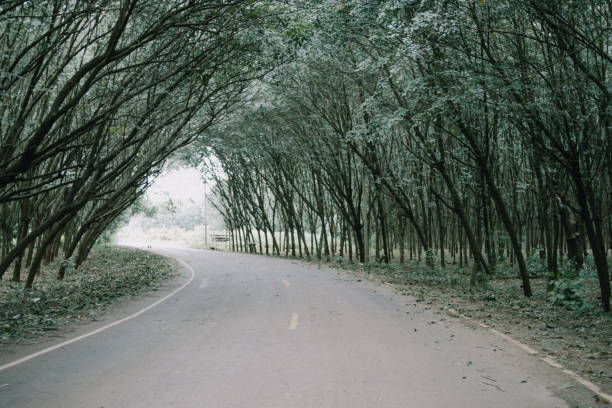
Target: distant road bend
{"type": "Point", "coordinates": [254, 331]}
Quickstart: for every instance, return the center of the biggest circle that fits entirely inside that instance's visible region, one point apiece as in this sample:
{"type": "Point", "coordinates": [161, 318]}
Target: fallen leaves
{"type": "Point", "coordinates": [580, 340]}
{"type": "Point", "coordinates": [109, 274]}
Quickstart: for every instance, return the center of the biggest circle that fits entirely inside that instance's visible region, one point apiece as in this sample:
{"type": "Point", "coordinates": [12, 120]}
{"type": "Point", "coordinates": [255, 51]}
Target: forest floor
{"type": "Point", "coordinates": [110, 274]}
{"type": "Point", "coordinates": [579, 340]}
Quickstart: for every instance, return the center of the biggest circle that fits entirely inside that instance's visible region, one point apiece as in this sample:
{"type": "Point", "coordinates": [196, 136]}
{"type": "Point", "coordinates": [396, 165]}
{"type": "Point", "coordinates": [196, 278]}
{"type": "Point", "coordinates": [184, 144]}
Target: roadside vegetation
{"type": "Point", "coordinates": [468, 133]}
{"type": "Point", "coordinates": [94, 98]}
{"type": "Point", "coordinates": [109, 274]}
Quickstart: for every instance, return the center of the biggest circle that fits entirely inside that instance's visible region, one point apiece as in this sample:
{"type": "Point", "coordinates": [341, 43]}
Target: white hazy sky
{"type": "Point", "coordinates": [179, 184]}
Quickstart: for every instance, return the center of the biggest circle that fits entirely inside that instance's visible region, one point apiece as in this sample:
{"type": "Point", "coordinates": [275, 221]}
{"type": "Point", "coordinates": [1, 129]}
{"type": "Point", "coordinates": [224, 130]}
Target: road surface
{"type": "Point", "coordinates": [254, 331]}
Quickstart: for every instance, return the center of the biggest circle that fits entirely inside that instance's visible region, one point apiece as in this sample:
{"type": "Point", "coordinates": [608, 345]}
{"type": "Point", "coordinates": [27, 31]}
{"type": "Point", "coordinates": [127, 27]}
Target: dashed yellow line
{"type": "Point", "coordinates": [286, 283]}
{"type": "Point", "coordinates": [294, 321]}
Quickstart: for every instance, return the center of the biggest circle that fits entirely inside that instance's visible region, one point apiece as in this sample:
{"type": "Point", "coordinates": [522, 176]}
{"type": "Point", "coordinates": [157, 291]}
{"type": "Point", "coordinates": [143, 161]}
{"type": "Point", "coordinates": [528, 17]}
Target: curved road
{"type": "Point", "coordinates": [253, 331]}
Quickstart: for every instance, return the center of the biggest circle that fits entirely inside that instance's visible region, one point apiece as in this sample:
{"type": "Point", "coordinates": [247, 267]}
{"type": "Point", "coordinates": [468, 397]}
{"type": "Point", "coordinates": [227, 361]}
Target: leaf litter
{"type": "Point", "coordinates": [578, 340]}
{"type": "Point", "coordinates": [109, 274]}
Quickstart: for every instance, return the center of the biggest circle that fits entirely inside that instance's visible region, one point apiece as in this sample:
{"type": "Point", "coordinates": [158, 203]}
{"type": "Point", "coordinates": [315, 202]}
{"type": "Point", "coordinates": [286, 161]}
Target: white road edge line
{"type": "Point", "coordinates": [547, 359]}
{"type": "Point", "coordinates": [294, 321]}
{"type": "Point", "coordinates": [594, 388]}
{"type": "Point", "coordinates": [108, 326]}
{"type": "Point", "coordinates": [518, 343]}
{"type": "Point", "coordinates": [552, 363]}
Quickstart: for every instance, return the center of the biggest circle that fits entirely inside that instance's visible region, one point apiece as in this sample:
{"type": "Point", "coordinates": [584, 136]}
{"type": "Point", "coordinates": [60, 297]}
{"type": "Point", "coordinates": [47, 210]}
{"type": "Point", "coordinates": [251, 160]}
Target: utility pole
{"type": "Point", "coordinates": [205, 217]}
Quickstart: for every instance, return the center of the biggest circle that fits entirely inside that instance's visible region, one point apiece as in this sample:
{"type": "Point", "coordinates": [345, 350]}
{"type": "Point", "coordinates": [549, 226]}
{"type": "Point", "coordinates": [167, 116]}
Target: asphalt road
{"type": "Point", "coordinates": [252, 331]}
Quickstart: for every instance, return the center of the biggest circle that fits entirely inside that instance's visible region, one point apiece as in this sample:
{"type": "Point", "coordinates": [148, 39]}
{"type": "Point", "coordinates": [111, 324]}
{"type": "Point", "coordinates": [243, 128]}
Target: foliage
{"type": "Point", "coordinates": [94, 98]}
{"type": "Point", "coordinates": [438, 124]}
{"type": "Point", "coordinates": [569, 290]}
{"type": "Point", "coordinates": [535, 264]}
{"type": "Point", "coordinates": [339, 127]}
{"type": "Point", "coordinates": [569, 293]}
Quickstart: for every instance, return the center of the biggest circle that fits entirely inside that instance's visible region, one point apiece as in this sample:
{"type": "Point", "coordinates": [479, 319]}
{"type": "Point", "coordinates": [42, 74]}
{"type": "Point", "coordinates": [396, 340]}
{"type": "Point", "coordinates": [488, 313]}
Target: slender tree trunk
{"type": "Point", "coordinates": [458, 208]}
{"type": "Point", "coordinates": [383, 230]}
{"type": "Point", "coordinates": [591, 216]}
{"type": "Point", "coordinates": [44, 242]}
{"type": "Point", "coordinates": [441, 232]}
{"type": "Point", "coordinates": [259, 241]}
{"type": "Point", "coordinates": [349, 242]}
{"type": "Point", "coordinates": [402, 237]}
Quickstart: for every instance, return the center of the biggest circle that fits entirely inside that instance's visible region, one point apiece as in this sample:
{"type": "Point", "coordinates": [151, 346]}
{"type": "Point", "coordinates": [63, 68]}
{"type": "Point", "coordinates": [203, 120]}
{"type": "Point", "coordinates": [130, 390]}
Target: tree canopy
{"type": "Point", "coordinates": [445, 129]}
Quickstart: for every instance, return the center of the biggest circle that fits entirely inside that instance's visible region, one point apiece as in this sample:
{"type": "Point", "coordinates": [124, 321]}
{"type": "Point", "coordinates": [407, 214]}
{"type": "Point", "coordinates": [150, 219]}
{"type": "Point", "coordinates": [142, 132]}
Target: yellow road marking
{"type": "Point", "coordinates": [294, 321]}
{"type": "Point", "coordinates": [286, 283]}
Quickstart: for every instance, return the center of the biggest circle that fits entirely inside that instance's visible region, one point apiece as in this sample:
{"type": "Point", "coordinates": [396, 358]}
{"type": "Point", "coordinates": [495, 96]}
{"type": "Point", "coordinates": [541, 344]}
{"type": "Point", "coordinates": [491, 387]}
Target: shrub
{"type": "Point", "coordinates": [536, 266]}
{"type": "Point", "coordinates": [569, 290]}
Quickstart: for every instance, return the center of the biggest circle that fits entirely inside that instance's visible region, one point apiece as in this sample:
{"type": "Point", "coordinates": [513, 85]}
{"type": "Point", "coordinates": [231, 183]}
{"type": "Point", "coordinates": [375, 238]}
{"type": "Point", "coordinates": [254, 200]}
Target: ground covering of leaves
{"type": "Point", "coordinates": [579, 339]}
{"type": "Point", "coordinates": [108, 275]}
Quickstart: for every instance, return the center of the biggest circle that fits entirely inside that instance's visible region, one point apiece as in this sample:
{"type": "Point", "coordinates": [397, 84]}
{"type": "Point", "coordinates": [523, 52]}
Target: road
{"type": "Point", "coordinates": [254, 331]}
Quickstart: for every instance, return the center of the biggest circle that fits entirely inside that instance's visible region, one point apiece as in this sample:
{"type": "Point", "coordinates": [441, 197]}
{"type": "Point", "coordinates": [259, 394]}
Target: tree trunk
{"type": "Point", "coordinates": [591, 216]}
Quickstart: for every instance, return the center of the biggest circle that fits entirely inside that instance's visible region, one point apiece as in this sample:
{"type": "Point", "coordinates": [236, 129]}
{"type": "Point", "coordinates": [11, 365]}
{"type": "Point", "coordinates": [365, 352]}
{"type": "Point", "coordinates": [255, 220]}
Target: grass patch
{"type": "Point", "coordinates": [109, 274]}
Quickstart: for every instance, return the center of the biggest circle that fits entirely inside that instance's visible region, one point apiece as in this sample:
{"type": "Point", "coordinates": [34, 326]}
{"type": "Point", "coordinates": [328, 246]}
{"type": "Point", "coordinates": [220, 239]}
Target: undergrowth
{"type": "Point", "coordinates": [574, 291]}
{"type": "Point", "coordinates": [109, 274]}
